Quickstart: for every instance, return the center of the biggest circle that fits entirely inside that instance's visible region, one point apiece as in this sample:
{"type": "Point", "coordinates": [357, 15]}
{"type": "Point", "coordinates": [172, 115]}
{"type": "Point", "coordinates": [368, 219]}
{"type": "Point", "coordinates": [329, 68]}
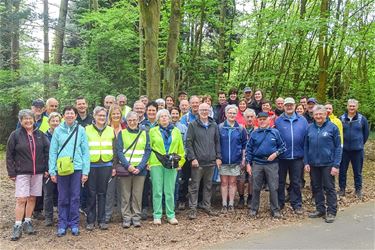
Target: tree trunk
{"type": "Point", "coordinates": [46, 47]}
{"type": "Point", "coordinates": [5, 35]}
{"type": "Point", "coordinates": [221, 47]}
{"type": "Point", "coordinates": [15, 36]}
{"type": "Point", "coordinates": [322, 51]}
{"type": "Point", "coordinates": [150, 12]}
{"type": "Point", "coordinates": [171, 65]}
{"type": "Point", "coordinates": [141, 75]}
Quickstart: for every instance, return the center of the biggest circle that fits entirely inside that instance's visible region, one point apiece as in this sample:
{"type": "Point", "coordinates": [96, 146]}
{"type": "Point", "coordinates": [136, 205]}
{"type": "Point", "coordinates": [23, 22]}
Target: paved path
{"type": "Point", "coordinates": [354, 228]}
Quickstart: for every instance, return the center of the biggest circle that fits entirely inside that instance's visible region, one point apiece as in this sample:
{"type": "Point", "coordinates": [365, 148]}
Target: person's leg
{"type": "Point", "coordinates": [196, 176]}
{"type": "Point", "coordinates": [75, 187]}
{"type": "Point", "coordinates": [316, 176]}
{"type": "Point", "coordinates": [30, 204]}
{"type": "Point", "coordinates": [258, 180]}
{"type": "Point", "coordinates": [344, 169]}
{"type": "Point", "coordinates": [49, 189]}
{"type": "Point", "coordinates": [184, 189]}
{"type": "Point", "coordinates": [177, 188]}
{"type": "Point", "coordinates": [168, 190]}
{"type": "Point", "coordinates": [91, 195]}
{"type": "Point", "coordinates": [330, 191]}
{"type": "Point", "coordinates": [125, 185]}
{"type": "Point", "coordinates": [283, 170]}
{"type": "Point", "coordinates": [249, 189]}
{"type": "Point", "coordinates": [232, 189]}
{"type": "Point", "coordinates": [20, 208]}
{"type": "Point", "coordinates": [224, 189]}
{"type": "Point", "coordinates": [104, 174]}
{"type": "Point", "coordinates": [295, 169]}
{"type": "Point", "coordinates": [208, 172]}
{"type": "Point", "coordinates": [157, 182]}
{"type": "Point", "coordinates": [146, 192]}
{"type": "Point", "coordinates": [136, 196]}
{"type": "Point", "coordinates": [110, 199]}
{"type": "Point", "coordinates": [241, 188]}
{"type": "Point", "coordinates": [272, 176]}
{"type": "Point", "coordinates": [357, 164]}
{"type": "Point", "coordinates": [63, 186]}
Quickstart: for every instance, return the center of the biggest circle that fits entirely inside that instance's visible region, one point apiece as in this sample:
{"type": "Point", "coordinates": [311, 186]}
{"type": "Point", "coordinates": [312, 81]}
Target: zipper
{"type": "Point", "coordinates": [33, 151]}
{"type": "Point", "coordinates": [229, 135]}
{"type": "Point", "coordinates": [291, 132]}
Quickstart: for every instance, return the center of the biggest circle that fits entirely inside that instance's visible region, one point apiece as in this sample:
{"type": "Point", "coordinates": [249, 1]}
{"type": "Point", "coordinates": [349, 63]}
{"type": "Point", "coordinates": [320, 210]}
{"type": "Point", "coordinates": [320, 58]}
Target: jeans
{"type": "Point", "coordinates": [197, 174]}
{"type": "Point", "coordinates": [50, 193]}
{"type": "Point", "coordinates": [324, 183]}
{"type": "Point", "coordinates": [356, 158]}
{"type": "Point", "coordinates": [112, 198]}
{"type": "Point", "coordinates": [294, 168]}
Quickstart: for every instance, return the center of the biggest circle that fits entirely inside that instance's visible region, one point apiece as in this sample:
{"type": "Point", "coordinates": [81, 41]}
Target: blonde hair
{"type": "Point", "coordinates": [53, 115]}
{"type": "Point", "coordinates": [111, 109]}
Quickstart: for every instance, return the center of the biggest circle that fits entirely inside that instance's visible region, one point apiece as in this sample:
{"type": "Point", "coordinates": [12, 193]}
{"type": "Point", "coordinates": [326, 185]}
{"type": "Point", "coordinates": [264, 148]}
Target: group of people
{"type": "Point", "coordinates": [165, 154]}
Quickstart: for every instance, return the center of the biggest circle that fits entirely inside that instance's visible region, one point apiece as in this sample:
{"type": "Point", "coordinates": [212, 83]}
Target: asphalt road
{"type": "Point", "coordinates": [354, 228]}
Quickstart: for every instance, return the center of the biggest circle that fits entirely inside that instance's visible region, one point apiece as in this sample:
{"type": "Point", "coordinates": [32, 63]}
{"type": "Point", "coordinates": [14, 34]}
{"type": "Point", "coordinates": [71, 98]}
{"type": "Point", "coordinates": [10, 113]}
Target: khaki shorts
{"type": "Point", "coordinates": [29, 185]}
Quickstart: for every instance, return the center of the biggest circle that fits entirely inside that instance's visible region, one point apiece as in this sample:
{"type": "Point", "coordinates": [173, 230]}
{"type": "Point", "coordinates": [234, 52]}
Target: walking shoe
{"type": "Point", "coordinates": [75, 231]}
{"type": "Point", "coordinates": [200, 205]}
{"type": "Point", "coordinates": [358, 194]}
{"type": "Point", "coordinates": [38, 215]}
{"type": "Point", "coordinates": [224, 210]}
{"type": "Point", "coordinates": [210, 212]}
{"type": "Point", "coordinates": [61, 232]}
{"type": "Point", "coordinates": [17, 232]}
{"type": "Point", "coordinates": [103, 226]}
{"type": "Point", "coordinates": [28, 227]}
{"type": "Point", "coordinates": [341, 193]}
{"type": "Point", "coordinates": [276, 215]}
{"type": "Point", "coordinates": [126, 224]}
{"type": "Point", "coordinates": [330, 218]}
{"type": "Point", "coordinates": [136, 223]}
{"type": "Point", "coordinates": [241, 203]}
{"type": "Point", "coordinates": [252, 213]}
{"type": "Point", "coordinates": [157, 221]}
{"type": "Point", "coordinates": [248, 202]}
{"type": "Point", "coordinates": [192, 214]}
{"type": "Point", "coordinates": [144, 213]}
{"type": "Point", "coordinates": [316, 214]}
{"type": "Point", "coordinates": [82, 211]}
{"type": "Point", "coordinates": [173, 221]}
{"type": "Point", "coordinates": [48, 222]}
{"type": "Point", "coordinates": [181, 205]}
{"type": "Point", "coordinates": [230, 209]}
{"type": "Point", "coordinates": [90, 227]}
{"type": "Point", "coordinates": [298, 211]}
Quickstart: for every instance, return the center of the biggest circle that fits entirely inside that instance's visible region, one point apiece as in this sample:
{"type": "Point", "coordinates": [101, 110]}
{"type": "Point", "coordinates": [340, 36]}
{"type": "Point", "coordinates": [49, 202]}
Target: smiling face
{"type": "Point", "coordinates": [263, 122]}
{"type": "Point", "coordinates": [54, 122]}
{"type": "Point", "coordinates": [222, 99]}
{"type": "Point", "coordinates": [184, 106]}
{"type": "Point", "coordinates": [203, 111]}
{"type": "Point", "coordinates": [100, 118]}
{"type": "Point", "coordinates": [169, 102]}
{"type": "Point", "coordinates": [258, 95]}
{"type": "Point", "coordinates": [194, 103]}
{"type": "Point", "coordinates": [132, 121]}
{"type": "Point", "coordinates": [266, 107]}
{"type": "Point", "coordinates": [233, 96]}
{"type": "Point", "coordinates": [289, 108]}
{"type": "Point", "coordinates": [69, 117]}
{"type": "Point", "coordinates": [81, 106]}
{"type": "Point", "coordinates": [27, 122]}
{"type": "Point", "coordinates": [108, 102]}
{"type": "Point", "coordinates": [175, 115]}
{"type": "Point", "coordinates": [151, 113]}
{"type": "Point", "coordinates": [300, 110]}
{"type": "Point", "coordinates": [242, 105]}
{"type": "Point", "coordinates": [231, 115]}
{"type": "Point", "coordinates": [320, 116]}
{"type": "Point", "coordinates": [52, 105]}
{"type": "Point", "coordinates": [37, 111]}
{"type": "Point", "coordinates": [115, 116]}
{"type": "Point", "coordinates": [249, 118]}
{"type": "Point", "coordinates": [352, 108]}
{"type": "Point", "coordinates": [163, 119]}
{"type": "Point", "coordinates": [139, 108]}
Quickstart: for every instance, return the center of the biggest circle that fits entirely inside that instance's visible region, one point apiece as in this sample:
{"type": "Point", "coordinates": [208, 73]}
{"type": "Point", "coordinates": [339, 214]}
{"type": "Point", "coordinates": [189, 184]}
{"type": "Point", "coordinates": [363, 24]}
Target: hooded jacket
{"type": "Point", "coordinates": [233, 141]}
{"type": "Point", "coordinates": [356, 131]}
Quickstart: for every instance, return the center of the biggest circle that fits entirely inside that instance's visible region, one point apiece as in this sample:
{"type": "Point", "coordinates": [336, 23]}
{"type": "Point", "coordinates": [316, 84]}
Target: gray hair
{"type": "Point", "coordinates": [353, 101]}
{"type": "Point", "coordinates": [130, 114]}
{"type": "Point", "coordinates": [98, 109]}
{"type": "Point", "coordinates": [228, 107]}
{"type": "Point", "coordinates": [161, 112]}
{"type": "Point", "coordinates": [249, 111]}
{"type": "Point", "coordinates": [53, 115]}
{"type": "Point", "coordinates": [140, 103]}
{"type": "Point", "coordinates": [160, 101]}
{"type": "Point", "coordinates": [318, 108]}
{"type": "Point", "coordinates": [24, 113]}
{"type": "Point", "coordinates": [192, 97]}
{"type": "Point", "coordinates": [110, 97]}
{"type": "Point", "coordinates": [121, 95]}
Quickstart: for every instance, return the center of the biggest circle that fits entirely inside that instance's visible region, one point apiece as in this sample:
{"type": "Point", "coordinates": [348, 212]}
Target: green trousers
{"type": "Point", "coordinates": [163, 182]}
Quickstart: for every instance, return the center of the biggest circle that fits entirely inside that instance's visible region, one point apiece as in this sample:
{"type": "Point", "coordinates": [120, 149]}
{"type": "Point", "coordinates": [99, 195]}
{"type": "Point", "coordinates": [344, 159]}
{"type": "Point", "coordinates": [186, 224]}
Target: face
{"type": "Point", "coordinates": [108, 102]}
{"type": "Point", "coordinates": [194, 103]}
{"type": "Point", "coordinates": [280, 104]}
{"type": "Point", "coordinates": [70, 117]}
{"type": "Point", "coordinates": [231, 115]}
{"type": "Point", "coordinates": [27, 122]}
{"type": "Point", "coordinates": [303, 101]}
{"type": "Point", "coordinates": [164, 120]}
{"type": "Point", "coordinates": [121, 101]}
{"type": "Point", "coordinates": [248, 95]}
{"type": "Point", "coordinates": [320, 116]}
{"type": "Point", "coordinates": [52, 106]}
{"type": "Point", "coordinates": [37, 110]}
{"type": "Point", "coordinates": [54, 122]}
{"type": "Point", "coordinates": [161, 106]}
{"type": "Point", "coordinates": [263, 122]}
{"type": "Point", "coordinates": [182, 97]}
{"type": "Point", "coordinates": [81, 106]}
{"type": "Point", "coordinates": [151, 113]}
{"type": "Point", "coordinates": [139, 108]}
{"type": "Point", "coordinates": [203, 111]}
{"type": "Point", "coordinates": [222, 99]}
{"type": "Point", "coordinates": [233, 96]}
{"type": "Point", "coordinates": [329, 109]}
{"type": "Point", "coordinates": [132, 122]}
{"type": "Point", "coordinates": [100, 118]}
{"type": "Point", "coordinates": [266, 107]}
{"type": "Point", "coordinates": [289, 108]}
{"type": "Point", "coordinates": [175, 115]}
{"type": "Point", "coordinates": [116, 115]}
{"type": "Point", "coordinates": [242, 106]}
{"type": "Point", "coordinates": [300, 110]}
{"type": "Point", "coordinates": [250, 117]}
{"type": "Point", "coordinates": [144, 100]}
{"type": "Point", "coordinates": [352, 108]}
{"type": "Point", "coordinates": [184, 106]}
{"type": "Point", "coordinates": [258, 95]}
{"type": "Point", "coordinates": [208, 101]}
{"type": "Point", "coordinates": [310, 106]}
{"type": "Point", "coordinates": [169, 102]}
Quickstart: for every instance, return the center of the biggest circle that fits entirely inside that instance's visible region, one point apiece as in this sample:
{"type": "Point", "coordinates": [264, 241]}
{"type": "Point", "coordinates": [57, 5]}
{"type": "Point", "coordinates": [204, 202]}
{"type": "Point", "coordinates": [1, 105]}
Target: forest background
{"type": "Point", "coordinates": [318, 48]}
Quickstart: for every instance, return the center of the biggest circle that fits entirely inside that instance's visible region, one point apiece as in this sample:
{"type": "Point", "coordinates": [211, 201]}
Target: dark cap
{"type": "Point", "coordinates": [312, 100]}
{"type": "Point", "coordinates": [39, 103]}
{"type": "Point", "coordinates": [262, 114]}
{"type": "Point", "coordinates": [182, 93]}
{"type": "Point", "coordinates": [247, 89]}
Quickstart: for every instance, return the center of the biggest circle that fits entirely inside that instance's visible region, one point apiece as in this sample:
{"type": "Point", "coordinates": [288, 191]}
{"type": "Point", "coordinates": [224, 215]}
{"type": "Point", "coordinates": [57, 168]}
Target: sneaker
{"type": "Point", "coordinates": [82, 211]}
{"type": "Point", "coordinates": [192, 214]}
{"type": "Point", "coordinates": [75, 231]}
{"type": "Point", "coordinates": [316, 214]}
{"type": "Point", "coordinates": [137, 223]}
{"type": "Point", "coordinates": [90, 227]}
{"type": "Point", "coordinates": [28, 227]}
{"type": "Point", "coordinates": [224, 209]}
{"type": "Point", "coordinates": [276, 215]}
{"type": "Point", "coordinates": [144, 214]}
{"type": "Point", "coordinates": [103, 226]}
{"type": "Point", "coordinates": [358, 194]}
{"type": "Point", "coordinates": [17, 232]}
{"type": "Point", "coordinates": [252, 213]}
{"type": "Point", "coordinates": [126, 224]}
{"type": "Point", "coordinates": [330, 218]}
{"type": "Point", "coordinates": [157, 221]}
{"type": "Point", "coordinates": [61, 232]}
{"type": "Point", "coordinates": [173, 221]}
{"type": "Point", "coordinates": [230, 209]}
{"type": "Point", "coordinates": [210, 212]}
{"type": "Point", "coordinates": [241, 203]}
{"type": "Point", "coordinates": [298, 211]}
{"type": "Point", "coordinates": [48, 222]}
{"type": "Point", "coordinates": [181, 205]}
{"type": "Point", "coordinates": [341, 193]}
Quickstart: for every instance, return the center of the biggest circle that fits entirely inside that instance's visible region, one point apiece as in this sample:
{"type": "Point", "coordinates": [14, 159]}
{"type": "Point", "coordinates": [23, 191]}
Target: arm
{"type": "Point", "coordinates": [142, 165]}
{"type": "Point", "coordinates": [85, 152]}
{"type": "Point", "coordinates": [338, 147]}
{"type": "Point", "coordinates": [217, 143]}
{"type": "Point", "coordinates": [190, 137]}
{"type": "Point", "coordinates": [366, 130]}
{"type": "Point", "coordinates": [11, 145]}
{"type": "Point", "coordinates": [120, 151]}
{"type": "Point", "coordinates": [46, 145]}
{"type": "Point", "coordinates": [181, 151]}
{"type": "Point", "coordinates": [53, 150]}
{"type": "Point", "coordinates": [306, 150]}
{"type": "Point", "coordinates": [281, 148]}
{"type": "Point", "coordinates": [115, 158]}
{"type": "Point", "coordinates": [249, 151]}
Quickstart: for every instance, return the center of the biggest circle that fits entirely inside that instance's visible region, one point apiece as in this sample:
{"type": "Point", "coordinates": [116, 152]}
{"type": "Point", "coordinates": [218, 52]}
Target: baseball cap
{"type": "Point", "coordinates": [312, 100]}
{"type": "Point", "coordinates": [38, 103]}
{"type": "Point", "coordinates": [289, 100]}
{"type": "Point", "coordinates": [262, 114]}
{"type": "Point", "coordinates": [247, 89]}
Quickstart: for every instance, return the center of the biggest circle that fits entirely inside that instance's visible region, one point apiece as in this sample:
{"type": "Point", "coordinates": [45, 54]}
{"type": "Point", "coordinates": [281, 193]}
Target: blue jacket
{"type": "Point", "coordinates": [233, 141]}
{"type": "Point", "coordinates": [356, 131]}
{"type": "Point", "coordinates": [82, 153]}
{"type": "Point", "coordinates": [293, 132]}
{"type": "Point", "coordinates": [188, 118]}
{"type": "Point", "coordinates": [323, 145]}
{"type": "Point", "coordinates": [263, 143]}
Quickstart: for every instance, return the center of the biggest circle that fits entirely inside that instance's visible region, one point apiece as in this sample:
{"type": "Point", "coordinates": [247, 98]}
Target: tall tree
{"type": "Point", "coordinates": [5, 33]}
{"type": "Point", "coordinates": [45, 46]}
{"type": "Point", "coordinates": [15, 35]}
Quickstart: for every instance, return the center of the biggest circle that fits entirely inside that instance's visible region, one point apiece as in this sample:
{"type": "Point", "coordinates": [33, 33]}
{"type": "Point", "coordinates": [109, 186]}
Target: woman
{"type": "Point", "coordinates": [300, 109]}
{"type": "Point", "coordinates": [133, 151]}
{"type": "Point", "coordinates": [50, 188]}
{"type": "Point", "coordinates": [208, 99]}
{"type": "Point", "coordinates": [233, 140]}
{"type": "Point", "coordinates": [27, 161]}
{"type": "Point", "coordinates": [69, 145]}
{"type": "Point", "coordinates": [169, 102]}
{"type": "Point", "coordinates": [256, 103]}
{"type": "Point", "coordinates": [233, 96]}
{"type": "Point", "coordinates": [242, 106]}
{"type": "Point", "coordinates": [151, 110]}
{"type": "Point", "coordinates": [164, 139]}
{"type": "Point", "coordinates": [161, 103]}
{"type": "Point", "coordinates": [101, 141]}
{"type": "Point", "coordinates": [322, 159]}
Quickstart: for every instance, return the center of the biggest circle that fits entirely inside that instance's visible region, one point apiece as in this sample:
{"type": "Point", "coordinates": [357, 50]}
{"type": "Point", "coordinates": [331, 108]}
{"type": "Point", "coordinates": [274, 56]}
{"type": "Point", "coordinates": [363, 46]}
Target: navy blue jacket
{"type": "Point", "coordinates": [293, 133]}
{"type": "Point", "coordinates": [233, 141]}
{"type": "Point", "coordinates": [323, 145]}
{"type": "Point", "coordinates": [356, 131]}
{"type": "Point", "coordinates": [263, 143]}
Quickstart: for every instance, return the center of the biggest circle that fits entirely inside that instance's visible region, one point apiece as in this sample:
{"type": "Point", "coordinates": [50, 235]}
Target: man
{"type": "Point", "coordinates": [52, 105]}
{"type": "Point", "coordinates": [83, 117]}
{"type": "Point", "coordinates": [356, 132]}
{"type": "Point", "coordinates": [262, 150]}
{"type": "Point", "coordinates": [219, 109]}
{"type": "Point", "coordinates": [334, 120]}
{"type": "Point", "coordinates": [193, 113]}
{"type": "Point", "coordinates": [203, 150]}
{"type": "Point", "coordinates": [109, 100]}
{"type": "Point", "coordinates": [311, 102]}
{"type": "Point", "coordinates": [144, 99]}
{"type": "Point", "coordinates": [303, 101]}
{"type": "Point", "coordinates": [184, 107]}
{"type": "Point", "coordinates": [292, 128]}
{"type": "Point", "coordinates": [267, 108]}
{"type": "Point", "coordinates": [182, 96]}
{"type": "Point", "coordinates": [122, 100]}
{"type": "Point", "coordinates": [140, 109]}
{"type": "Point", "coordinates": [279, 106]}
{"type": "Point", "coordinates": [247, 95]}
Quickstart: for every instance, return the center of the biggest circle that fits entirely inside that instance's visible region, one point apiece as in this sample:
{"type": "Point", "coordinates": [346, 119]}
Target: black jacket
{"type": "Point", "coordinates": [203, 142]}
{"type": "Point", "coordinates": [19, 158]}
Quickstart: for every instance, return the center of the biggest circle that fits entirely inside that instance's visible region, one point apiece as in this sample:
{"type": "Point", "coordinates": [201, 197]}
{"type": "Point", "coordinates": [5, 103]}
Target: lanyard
{"type": "Point", "coordinates": [33, 151]}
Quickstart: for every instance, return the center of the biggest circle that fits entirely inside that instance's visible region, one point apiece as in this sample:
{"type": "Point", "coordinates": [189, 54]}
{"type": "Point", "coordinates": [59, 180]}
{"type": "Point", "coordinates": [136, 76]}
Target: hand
{"type": "Point", "coordinates": [12, 178]}
{"type": "Point", "coordinates": [218, 163]}
{"type": "Point", "coordinates": [113, 172]}
{"type": "Point", "coordinates": [334, 171]}
{"type": "Point", "coordinates": [195, 163]}
{"type": "Point", "coordinates": [307, 168]}
{"type": "Point", "coordinates": [46, 174]}
{"type": "Point", "coordinates": [54, 178]}
{"type": "Point", "coordinates": [243, 163]}
{"type": "Point", "coordinates": [148, 167]}
{"type": "Point", "coordinates": [84, 178]}
{"type": "Point", "coordinates": [272, 156]}
{"type": "Point", "coordinates": [131, 169]}
{"type": "Point", "coordinates": [136, 171]}
{"type": "Point", "coordinates": [248, 169]}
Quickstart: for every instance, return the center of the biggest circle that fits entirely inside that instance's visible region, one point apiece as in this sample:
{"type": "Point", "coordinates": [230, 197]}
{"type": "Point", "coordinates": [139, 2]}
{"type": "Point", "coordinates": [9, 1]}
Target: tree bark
{"type": "Point", "coordinates": [60, 32]}
{"type": "Point", "coordinates": [45, 47]}
{"type": "Point", "coordinates": [322, 51]}
{"type": "Point", "coordinates": [221, 46]}
{"type": "Point", "coordinates": [5, 35]}
{"type": "Point", "coordinates": [141, 73]}
{"type": "Point", "coordinates": [15, 36]}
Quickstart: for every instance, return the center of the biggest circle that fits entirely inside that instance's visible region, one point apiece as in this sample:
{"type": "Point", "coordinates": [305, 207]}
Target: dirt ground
{"type": "Point", "coordinates": [202, 232]}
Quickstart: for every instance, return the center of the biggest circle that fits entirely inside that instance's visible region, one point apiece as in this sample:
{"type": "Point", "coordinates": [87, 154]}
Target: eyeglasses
{"type": "Point", "coordinates": [232, 113]}
{"type": "Point", "coordinates": [204, 110]}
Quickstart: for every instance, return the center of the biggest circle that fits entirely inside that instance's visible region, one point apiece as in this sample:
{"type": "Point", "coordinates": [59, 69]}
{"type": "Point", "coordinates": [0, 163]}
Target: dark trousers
{"type": "Point", "coordinates": [146, 195]}
{"type": "Point", "coordinates": [97, 190]}
{"type": "Point", "coordinates": [50, 195]}
{"type": "Point", "coordinates": [270, 171]}
{"type": "Point", "coordinates": [68, 202]}
{"type": "Point", "coordinates": [198, 174]}
{"type": "Point", "coordinates": [185, 176]}
{"type": "Point", "coordinates": [293, 168]}
{"type": "Point", "coordinates": [356, 158]}
{"type": "Point", "coordinates": [83, 197]}
{"type": "Point", "coordinates": [324, 189]}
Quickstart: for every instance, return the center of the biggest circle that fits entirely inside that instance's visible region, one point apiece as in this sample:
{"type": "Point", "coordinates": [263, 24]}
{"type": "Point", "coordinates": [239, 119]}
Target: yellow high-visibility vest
{"type": "Point", "coordinates": [101, 146]}
{"type": "Point", "coordinates": [139, 149]}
